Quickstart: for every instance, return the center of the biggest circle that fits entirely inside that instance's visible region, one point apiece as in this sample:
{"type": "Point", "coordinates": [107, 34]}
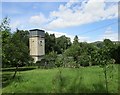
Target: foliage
{"type": "Point", "coordinates": [18, 51]}
{"type": "Point", "coordinates": [15, 46]}
{"type": "Point", "coordinates": [48, 60]}
{"type": "Point", "coordinates": [56, 44]}
{"type": "Point", "coordinates": [103, 58]}
{"type": "Point", "coordinates": [115, 51]}
{"type": "Point", "coordinates": [84, 60]}
{"type": "Point", "coordinates": [6, 36]}
{"type": "Point", "coordinates": [73, 51]}
{"type": "Point", "coordinates": [59, 60]}
{"type": "Point", "coordinates": [49, 42]}
{"type": "Point", "coordinates": [69, 62]}
{"type": "Point", "coordinates": [5, 24]}
{"type": "Point", "coordinates": [51, 56]}
{"type": "Point", "coordinates": [82, 53]}
{"type": "Point", "coordinates": [62, 43]}
{"type": "Point", "coordinates": [76, 40]}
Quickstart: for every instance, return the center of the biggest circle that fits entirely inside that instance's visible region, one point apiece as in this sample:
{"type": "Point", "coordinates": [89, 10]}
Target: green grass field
{"type": "Point", "coordinates": [66, 80]}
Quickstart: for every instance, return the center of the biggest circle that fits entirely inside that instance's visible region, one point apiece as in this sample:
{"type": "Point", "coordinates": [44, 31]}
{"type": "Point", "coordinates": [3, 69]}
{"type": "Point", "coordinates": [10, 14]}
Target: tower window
{"type": "Point", "coordinates": [40, 43]}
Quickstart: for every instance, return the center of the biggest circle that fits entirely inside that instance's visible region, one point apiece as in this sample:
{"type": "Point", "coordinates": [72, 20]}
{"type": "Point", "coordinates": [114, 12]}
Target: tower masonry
{"type": "Point", "coordinates": [37, 44]}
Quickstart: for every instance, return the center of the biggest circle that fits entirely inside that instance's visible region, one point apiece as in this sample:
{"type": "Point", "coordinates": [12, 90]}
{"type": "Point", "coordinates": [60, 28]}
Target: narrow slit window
{"type": "Point", "coordinates": [40, 43]}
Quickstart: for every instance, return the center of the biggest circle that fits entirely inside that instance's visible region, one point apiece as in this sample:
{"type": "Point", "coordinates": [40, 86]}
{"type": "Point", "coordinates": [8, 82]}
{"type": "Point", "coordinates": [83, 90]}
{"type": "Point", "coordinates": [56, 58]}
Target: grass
{"type": "Point", "coordinates": [66, 80]}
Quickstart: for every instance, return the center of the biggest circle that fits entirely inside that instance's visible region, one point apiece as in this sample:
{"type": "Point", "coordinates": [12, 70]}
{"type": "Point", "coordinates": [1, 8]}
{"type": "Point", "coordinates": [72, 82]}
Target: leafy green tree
{"type": "Point", "coordinates": [59, 60]}
{"type": "Point", "coordinates": [53, 41]}
{"type": "Point", "coordinates": [15, 51]}
{"type": "Point", "coordinates": [56, 44]}
{"type": "Point", "coordinates": [103, 58]}
{"type": "Point", "coordinates": [108, 43]}
{"type": "Point", "coordinates": [62, 43]}
{"type": "Point", "coordinates": [69, 62]}
{"type": "Point", "coordinates": [23, 36]}
{"type": "Point", "coordinates": [73, 51]}
{"type": "Point", "coordinates": [18, 50]}
{"type": "Point", "coordinates": [47, 43]}
{"type": "Point", "coordinates": [5, 24]}
{"type": "Point", "coordinates": [76, 40]}
{"type": "Point", "coordinates": [50, 42]}
{"type": "Point", "coordinates": [115, 51]}
{"type": "Point", "coordinates": [21, 48]}
{"type": "Point", "coordinates": [84, 60]}
{"type": "Point", "coordinates": [5, 41]}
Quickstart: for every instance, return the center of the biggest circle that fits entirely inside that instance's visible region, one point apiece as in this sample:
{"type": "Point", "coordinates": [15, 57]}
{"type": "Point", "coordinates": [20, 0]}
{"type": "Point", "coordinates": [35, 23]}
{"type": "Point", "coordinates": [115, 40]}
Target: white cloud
{"type": "Point", "coordinates": [109, 34]}
{"type": "Point", "coordinates": [58, 34]}
{"type": "Point", "coordinates": [77, 13]}
{"type": "Point", "coordinates": [38, 19]}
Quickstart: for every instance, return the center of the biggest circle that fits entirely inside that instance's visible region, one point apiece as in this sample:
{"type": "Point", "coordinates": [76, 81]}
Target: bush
{"type": "Point", "coordinates": [65, 61]}
{"type": "Point", "coordinates": [69, 62]}
{"type": "Point", "coordinates": [59, 60]}
{"type": "Point", "coordinates": [84, 60]}
{"type": "Point", "coordinates": [48, 61]}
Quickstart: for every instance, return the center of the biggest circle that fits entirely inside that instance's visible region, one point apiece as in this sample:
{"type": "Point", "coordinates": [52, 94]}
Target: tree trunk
{"type": "Point", "coordinates": [15, 72]}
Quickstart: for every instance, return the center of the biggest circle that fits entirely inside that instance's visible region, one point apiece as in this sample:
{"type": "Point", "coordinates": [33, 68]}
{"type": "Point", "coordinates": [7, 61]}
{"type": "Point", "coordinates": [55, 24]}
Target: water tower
{"type": "Point", "coordinates": [37, 44]}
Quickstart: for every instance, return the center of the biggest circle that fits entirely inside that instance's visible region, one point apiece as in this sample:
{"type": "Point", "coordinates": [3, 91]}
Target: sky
{"type": "Point", "coordinates": [88, 19]}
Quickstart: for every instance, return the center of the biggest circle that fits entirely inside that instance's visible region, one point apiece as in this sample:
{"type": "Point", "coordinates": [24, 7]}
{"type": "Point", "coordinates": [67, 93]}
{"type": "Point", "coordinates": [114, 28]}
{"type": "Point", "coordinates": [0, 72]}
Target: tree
{"type": "Point", "coordinates": [103, 58]}
{"type": "Point", "coordinates": [73, 51]}
{"type": "Point", "coordinates": [24, 36]}
{"type": "Point", "coordinates": [62, 43]}
{"type": "Point", "coordinates": [47, 41]}
{"type": "Point", "coordinates": [115, 54]}
{"type": "Point", "coordinates": [84, 60]}
{"type": "Point", "coordinates": [15, 50]}
{"type": "Point", "coordinates": [56, 44]}
{"type": "Point", "coordinates": [20, 41]}
{"type": "Point", "coordinates": [108, 43]}
{"type": "Point", "coordinates": [76, 40]}
{"type": "Point", "coordinates": [6, 36]}
{"type": "Point", "coordinates": [4, 26]}
{"type": "Point", "coordinates": [19, 49]}
{"type": "Point", "coordinates": [59, 60]}
{"type": "Point", "coordinates": [50, 42]}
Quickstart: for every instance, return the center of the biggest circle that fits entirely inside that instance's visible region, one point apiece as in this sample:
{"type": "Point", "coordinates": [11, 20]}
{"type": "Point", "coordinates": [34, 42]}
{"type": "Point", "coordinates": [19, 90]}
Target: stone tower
{"type": "Point", "coordinates": [37, 44]}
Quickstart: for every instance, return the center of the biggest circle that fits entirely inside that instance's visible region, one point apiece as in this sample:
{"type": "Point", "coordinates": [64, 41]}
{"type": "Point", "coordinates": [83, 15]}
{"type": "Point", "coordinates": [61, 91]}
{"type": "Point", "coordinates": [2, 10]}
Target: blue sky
{"type": "Point", "coordinates": [91, 21]}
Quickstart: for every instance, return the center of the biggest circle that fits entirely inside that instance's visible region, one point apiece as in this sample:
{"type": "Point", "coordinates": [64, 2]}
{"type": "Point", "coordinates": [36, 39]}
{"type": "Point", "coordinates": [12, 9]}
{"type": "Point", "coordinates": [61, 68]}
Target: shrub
{"type": "Point", "coordinates": [69, 62]}
{"type": "Point", "coordinates": [48, 61]}
{"type": "Point", "coordinates": [59, 60]}
{"type": "Point", "coordinates": [84, 60]}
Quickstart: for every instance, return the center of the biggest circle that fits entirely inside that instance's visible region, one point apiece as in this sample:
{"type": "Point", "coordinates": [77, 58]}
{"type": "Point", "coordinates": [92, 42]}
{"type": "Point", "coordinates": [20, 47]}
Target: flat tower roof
{"type": "Point", "coordinates": [37, 32]}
